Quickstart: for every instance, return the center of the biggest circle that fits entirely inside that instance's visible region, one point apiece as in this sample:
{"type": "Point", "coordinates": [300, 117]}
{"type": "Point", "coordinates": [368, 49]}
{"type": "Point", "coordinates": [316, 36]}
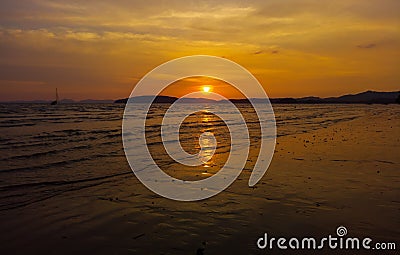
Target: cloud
{"type": "Point", "coordinates": [262, 52]}
{"type": "Point", "coordinates": [102, 42]}
{"type": "Point", "coordinates": [367, 46]}
{"type": "Point", "coordinates": [21, 83]}
{"type": "Point", "coordinates": [62, 34]}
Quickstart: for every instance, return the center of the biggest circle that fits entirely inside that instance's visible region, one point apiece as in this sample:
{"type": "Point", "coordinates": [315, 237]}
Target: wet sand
{"type": "Point", "coordinates": [346, 174]}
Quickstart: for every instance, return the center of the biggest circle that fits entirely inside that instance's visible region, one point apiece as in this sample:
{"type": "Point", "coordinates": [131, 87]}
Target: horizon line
{"type": "Point", "coordinates": [113, 100]}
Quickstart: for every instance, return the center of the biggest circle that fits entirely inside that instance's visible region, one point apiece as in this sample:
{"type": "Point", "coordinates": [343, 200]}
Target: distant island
{"type": "Point", "coordinates": [367, 97]}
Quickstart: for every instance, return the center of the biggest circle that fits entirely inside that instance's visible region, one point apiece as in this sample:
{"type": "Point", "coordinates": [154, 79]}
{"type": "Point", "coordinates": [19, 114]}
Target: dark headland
{"type": "Point", "coordinates": [367, 97]}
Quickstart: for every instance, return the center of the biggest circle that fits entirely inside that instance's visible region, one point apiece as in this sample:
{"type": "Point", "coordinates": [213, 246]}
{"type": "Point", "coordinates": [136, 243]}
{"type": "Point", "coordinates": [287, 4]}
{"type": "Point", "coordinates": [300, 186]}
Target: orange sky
{"type": "Point", "coordinates": [100, 49]}
{"type": "Point", "coordinates": [197, 83]}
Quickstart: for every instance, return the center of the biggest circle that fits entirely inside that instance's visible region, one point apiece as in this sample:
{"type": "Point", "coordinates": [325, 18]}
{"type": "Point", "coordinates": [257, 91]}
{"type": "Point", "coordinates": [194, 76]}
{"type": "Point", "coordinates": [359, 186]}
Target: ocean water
{"type": "Point", "coordinates": [48, 150]}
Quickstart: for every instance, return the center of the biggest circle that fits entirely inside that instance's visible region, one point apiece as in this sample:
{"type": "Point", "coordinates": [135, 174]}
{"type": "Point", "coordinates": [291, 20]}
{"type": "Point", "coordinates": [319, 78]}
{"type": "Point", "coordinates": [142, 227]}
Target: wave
{"type": "Point", "coordinates": [16, 196]}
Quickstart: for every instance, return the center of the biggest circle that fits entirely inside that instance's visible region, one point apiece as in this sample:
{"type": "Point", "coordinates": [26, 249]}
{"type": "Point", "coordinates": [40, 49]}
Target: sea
{"type": "Point", "coordinates": [48, 150]}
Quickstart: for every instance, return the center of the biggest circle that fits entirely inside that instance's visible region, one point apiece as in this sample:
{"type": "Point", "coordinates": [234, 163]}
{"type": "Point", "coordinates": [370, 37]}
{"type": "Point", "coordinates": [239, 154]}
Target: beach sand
{"type": "Point", "coordinates": [346, 174]}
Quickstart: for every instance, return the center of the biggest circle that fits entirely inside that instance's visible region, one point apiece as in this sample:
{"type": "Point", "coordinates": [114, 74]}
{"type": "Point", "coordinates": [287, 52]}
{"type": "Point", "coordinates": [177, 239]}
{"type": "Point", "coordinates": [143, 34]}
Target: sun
{"type": "Point", "coordinates": [206, 89]}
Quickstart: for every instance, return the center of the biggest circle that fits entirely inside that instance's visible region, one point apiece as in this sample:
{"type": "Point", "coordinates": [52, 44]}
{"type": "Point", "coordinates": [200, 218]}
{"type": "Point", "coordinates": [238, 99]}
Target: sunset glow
{"type": "Point", "coordinates": [192, 84]}
{"type": "Point", "coordinates": [101, 49]}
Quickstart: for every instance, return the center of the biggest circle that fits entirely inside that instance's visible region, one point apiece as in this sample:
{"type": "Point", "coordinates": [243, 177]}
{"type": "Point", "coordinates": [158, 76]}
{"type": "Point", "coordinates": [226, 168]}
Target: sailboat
{"type": "Point", "coordinates": [56, 101]}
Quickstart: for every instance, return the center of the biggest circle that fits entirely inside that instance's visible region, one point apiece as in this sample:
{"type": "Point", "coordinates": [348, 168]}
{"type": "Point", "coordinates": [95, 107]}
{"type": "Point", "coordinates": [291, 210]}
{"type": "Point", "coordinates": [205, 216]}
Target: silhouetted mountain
{"type": "Point", "coordinates": [95, 101]}
{"type": "Point", "coordinates": [368, 97]}
{"type": "Point", "coordinates": [284, 100]}
{"type": "Point", "coordinates": [148, 99]}
{"type": "Point", "coordinates": [121, 101]}
{"type": "Point", "coordinates": [310, 100]}
{"type": "Point", "coordinates": [66, 101]}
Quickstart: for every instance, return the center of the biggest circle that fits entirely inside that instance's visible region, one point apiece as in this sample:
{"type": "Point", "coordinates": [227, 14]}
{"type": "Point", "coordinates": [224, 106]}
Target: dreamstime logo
{"type": "Point", "coordinates": [341, 231]}
{"type": "Point", "coordinates": [136, 113]}
{"type": "Point", "coordinates": [330, 241]}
